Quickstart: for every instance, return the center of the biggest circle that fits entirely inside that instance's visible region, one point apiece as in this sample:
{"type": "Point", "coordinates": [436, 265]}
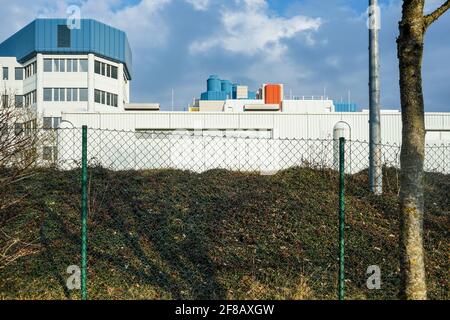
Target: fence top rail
{"type": "Point", "coordinates": [192, 134]}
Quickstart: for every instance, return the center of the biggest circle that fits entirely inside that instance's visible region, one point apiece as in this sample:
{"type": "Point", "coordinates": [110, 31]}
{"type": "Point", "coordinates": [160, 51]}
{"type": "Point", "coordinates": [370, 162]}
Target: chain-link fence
{"type": "Point", "coordinates": [147, 150]}
{"type": "Point", "coordinates": [182, 215]}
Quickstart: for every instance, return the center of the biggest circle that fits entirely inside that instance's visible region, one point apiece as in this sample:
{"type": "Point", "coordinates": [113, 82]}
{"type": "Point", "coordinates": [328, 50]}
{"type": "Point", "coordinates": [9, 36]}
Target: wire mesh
{"type": "Point", "coordinates": [191, 216]}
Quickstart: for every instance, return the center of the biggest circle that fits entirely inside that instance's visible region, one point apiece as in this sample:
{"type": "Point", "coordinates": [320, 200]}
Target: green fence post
{"type": "Point", "coordinates": [341, 217]}
{"type": "Point", "coordinates": [84, 213]}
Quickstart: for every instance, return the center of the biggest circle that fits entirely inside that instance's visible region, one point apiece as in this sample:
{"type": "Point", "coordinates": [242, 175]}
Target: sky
{"type": "Point", "coordinates": [311, 46]}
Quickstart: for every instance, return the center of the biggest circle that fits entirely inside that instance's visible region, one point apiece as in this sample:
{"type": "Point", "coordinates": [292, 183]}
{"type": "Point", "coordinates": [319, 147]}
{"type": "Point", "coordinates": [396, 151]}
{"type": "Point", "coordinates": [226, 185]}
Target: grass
{"type": "Point", "coordinates": [217, 235]}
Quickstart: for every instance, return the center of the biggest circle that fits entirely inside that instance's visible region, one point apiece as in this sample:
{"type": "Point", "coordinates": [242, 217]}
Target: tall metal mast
{"type": "Point", "coordinates": [173, 98]}
{"type": "Point", "coordinates": [375, 166]}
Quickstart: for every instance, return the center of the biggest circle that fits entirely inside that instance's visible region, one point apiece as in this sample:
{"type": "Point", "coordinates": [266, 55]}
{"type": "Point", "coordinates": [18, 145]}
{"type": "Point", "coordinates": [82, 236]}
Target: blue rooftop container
{"type": "Point", "coordinates": [41, 36]}
{"type": "Point", "coordinates": [251, 95]}
{"type": "Point", "coordinates": [234, 91]}
{"type": "Point", "coordinates": [227, 87]}
{"type": "Point", "coordinates": [345, 107]}
{"type": "Point", "coordinates": [213, 95]}
{"type": "Point", "coordinates": [214, 84]}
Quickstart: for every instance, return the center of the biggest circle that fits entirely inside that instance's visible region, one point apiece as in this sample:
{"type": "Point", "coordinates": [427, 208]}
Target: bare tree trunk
{"type": "Point", "coordinates": [410, 53]}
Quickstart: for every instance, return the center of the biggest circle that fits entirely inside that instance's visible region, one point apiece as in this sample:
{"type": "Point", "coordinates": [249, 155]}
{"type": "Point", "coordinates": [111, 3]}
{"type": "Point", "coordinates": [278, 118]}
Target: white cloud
{"type": "Point", "coordinates": [332, 61]}
{"type": "Point", "coordinates": [252, 29]}
{"type": "Point", "coordinates": [142, 22]}
{"type": "Point", "coordinates": [200, 5]}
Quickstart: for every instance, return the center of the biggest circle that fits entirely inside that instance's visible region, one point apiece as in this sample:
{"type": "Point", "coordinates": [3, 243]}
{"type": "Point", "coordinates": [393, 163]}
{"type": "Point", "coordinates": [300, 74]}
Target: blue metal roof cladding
{"type": "Point", "coordinates": [41, 36]}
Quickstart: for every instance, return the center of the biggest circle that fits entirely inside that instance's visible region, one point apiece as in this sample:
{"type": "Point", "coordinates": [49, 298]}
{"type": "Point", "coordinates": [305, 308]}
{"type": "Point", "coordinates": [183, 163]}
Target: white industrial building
{"type": "Point", "coordinates": [260, 141]}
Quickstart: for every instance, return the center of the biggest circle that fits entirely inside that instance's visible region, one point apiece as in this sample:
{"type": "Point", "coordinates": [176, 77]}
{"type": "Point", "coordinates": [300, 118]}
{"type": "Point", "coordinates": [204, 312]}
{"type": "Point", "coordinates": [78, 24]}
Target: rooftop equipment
{"type": "Point", "coordinates": [214, 84]}
{"type": "Point", "coordinates": [227, 87]}
{"type": "Point", "coordinates": [273, 94]}
{"type": "Point", "coordinates": [262, 107]}
{"type": "Point", "coordinates": [345, 107]}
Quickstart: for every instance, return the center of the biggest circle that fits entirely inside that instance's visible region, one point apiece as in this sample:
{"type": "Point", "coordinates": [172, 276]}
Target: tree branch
{"type": "Point", "coordinates": [432, 17]}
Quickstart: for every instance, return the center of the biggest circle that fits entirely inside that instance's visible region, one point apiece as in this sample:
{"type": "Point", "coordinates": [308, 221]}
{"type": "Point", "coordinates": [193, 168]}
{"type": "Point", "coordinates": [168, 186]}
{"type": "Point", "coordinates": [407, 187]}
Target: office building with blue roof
{"type": "Point", "coordinates": [53, 68]}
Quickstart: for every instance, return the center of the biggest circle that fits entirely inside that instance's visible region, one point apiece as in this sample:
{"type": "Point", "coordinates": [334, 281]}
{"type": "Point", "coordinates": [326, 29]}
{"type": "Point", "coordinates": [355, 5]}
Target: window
{"type": "Point", "coordinates": [51, 122]}
{"type": "Point", "coordinates": [75, 94]}
{"type": "Point", "coordinates": [114, 72]}
{"type": "Point", "coordinates": [69, 65]}
{"type": "Point", "coordinates": [47, 94]}
{"type": "Point", "coordinates": [69, 94]}
{"type": "Point", "coordinates": [72, 65]}
{"type": "Point", "coordinates": [19, 73]}
{"type": "Point", "coordinates": [59, 65]}
{"type": "Point", "coordinates": [30, 98]}
{"type": "Point", "coordinates": [63, 36]}
{"type": "Point", "coordinates": [5, 73]}
{"type": "Point", "coordinates": [62, 65]}
{"type": "Point", "coordinates": [65, 65]}
{"type": "Point", "coordinates": [47, 153]}
{"type": "Point", "coordinates": [97, 67]}
{"type": "Point", "coordinates": [55, 94]}
{"type": "Point", "coordinates": [47, 65]}
{"type": "Point", "coordinates": [106, 98]}
{"type": "Point", "coordinates": [56, 122]}
{"type": "Point", "coordinates": [18, 101]}
{"type": "Point", "coordinates": [106, 70]}
{"type": "Point", "coordinates": [5, 101]}
{"type": "Point", "coordinates": [98, 98]}
{"type": "Point", "coordinates": [55, 65]}
{"type": "Point", "coordinates": [84, 94]}
{"type": "Point", "coordinates": [62, 94]}
{"type": "Point", "coordinates": [83, 65]}
{"type": "Point", "coordinates": [18, 128]}
{"type": "Point", "coordinates": [31, 69]}
{"type": "Point", "coordinates": [47, 123]}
